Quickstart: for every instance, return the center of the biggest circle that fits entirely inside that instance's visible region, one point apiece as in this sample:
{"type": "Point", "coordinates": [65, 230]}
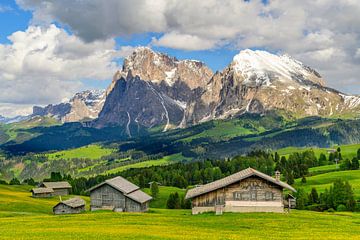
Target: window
{"type": "Point", "coordinates": [269, 196]}
{"type": "Point", "coordinates": [238, 196]}
{"type": "Point", "coordinates": [253, 195]}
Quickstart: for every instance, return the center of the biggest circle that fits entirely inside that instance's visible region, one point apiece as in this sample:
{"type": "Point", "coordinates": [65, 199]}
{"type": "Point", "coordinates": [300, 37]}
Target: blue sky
{"type": "Point", "coordinates": [70, 45]}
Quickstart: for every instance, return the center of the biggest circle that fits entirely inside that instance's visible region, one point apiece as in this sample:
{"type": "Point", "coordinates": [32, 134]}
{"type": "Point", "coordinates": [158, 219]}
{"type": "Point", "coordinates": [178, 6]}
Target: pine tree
{"type": "Point", "coordinates": [314, 196]}
{"type": "Point", "coordinates": [14, 181]}
{"type": "Point", "coordinates": [358, 154]}
{"type": "Point", "coordinates": [301, 199]}
{"type": "Point", "coordinates": [355, 164]}
{"type": "Point", "coordinates": [154, 189]}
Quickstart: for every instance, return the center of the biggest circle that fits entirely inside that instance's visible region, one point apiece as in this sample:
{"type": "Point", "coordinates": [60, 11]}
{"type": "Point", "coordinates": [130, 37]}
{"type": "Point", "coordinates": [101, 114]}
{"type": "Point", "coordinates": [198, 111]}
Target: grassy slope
{"type": "Point", "coordinates": [347, 151]}
{"type": "Point", "coordinates": [164, 192]}
{"type": "Point", "coordinates": [322, 181]}
{"type": "Point", "coordinates": [91, 151]}
{"type": "Point", "coordinates": [29, 219]}
{"type": "Point", "coordinates": [158, 162]}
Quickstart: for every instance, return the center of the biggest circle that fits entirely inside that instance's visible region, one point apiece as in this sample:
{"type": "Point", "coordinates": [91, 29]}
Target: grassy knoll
{"type": "Point", "coordinates": [322, 181]}
{"type": "Point", "coordinates": [91, 151]}
{"type": "Point", "coordinates": [23, 217]}
{"type": "Point", "coordinates": [164, 192]}
{"type": "Point", "coordinates": [158, 162]}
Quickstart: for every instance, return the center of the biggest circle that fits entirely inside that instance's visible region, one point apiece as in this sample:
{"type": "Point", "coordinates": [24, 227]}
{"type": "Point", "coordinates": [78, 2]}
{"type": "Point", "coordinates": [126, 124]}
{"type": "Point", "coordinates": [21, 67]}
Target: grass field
{"type": "Point", "coordinates": [22, 217]}
{"type": "Point", "coordinates": [322, 181]}
{"type": "Point", "coordinates": [347, 151]}
{"type": "Point", "coordinates": [158, 162]}
{"type": "Point", "coordinates": [164, 192]}
{"type": "Point", "coordinates": [91, 151]}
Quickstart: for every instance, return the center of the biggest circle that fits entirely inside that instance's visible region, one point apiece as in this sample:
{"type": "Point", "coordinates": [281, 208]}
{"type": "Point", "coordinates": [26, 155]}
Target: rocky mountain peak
{"type": "Point", "coordinates": [158, 67]}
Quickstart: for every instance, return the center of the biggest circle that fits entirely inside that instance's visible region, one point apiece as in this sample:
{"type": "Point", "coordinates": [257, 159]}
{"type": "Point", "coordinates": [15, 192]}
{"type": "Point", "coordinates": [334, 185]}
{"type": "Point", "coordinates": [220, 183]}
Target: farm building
{"type": "Point", "coordinates": [60, 188]}
{"type": "Point", "coordinates": [246, 191]}
{"type": "Point", "coordinates": [42, 192]}
{"type": "Point", "coordinates": [71, 206]}
{"type": "Point", "coordinates": [119, 195]}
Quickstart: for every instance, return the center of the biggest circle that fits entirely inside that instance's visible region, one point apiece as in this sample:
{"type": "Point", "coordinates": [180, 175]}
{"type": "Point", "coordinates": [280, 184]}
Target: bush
{"type": "Point", "coordinates": [316, 207]}
{"type": "Point", "coordinates": [330, 210]}
{"type": "Point", "coordinates": [341, 208]}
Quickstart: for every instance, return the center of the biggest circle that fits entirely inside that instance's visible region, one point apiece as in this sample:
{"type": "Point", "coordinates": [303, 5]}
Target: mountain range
{"type": "Point", "coordinates": [155, 90]}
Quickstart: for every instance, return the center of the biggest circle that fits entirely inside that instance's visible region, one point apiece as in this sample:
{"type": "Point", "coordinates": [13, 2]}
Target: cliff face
{"type": "Point", "coordinates": [83, 106]}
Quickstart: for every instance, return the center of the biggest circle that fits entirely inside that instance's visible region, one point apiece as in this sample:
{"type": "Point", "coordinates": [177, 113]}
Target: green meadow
{"type": "Point", "coordinates": [325, 180]}
{"type": "Point", "coordinates": [347, 151]}
{"type": "Point", "coordinates": [90, 151]}
{"type": "Point", "coordinates": [23, 217]}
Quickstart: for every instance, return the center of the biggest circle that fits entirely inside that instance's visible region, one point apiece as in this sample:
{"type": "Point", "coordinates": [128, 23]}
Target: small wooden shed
{"type": "Point", "coordinates": [120, 195]}
{"type": "Point", "coordinates": [60, 188]}
{"type": "Point", "coordinates": [42, 192]}
{"type": "Point", "coordinates": [71, 206]}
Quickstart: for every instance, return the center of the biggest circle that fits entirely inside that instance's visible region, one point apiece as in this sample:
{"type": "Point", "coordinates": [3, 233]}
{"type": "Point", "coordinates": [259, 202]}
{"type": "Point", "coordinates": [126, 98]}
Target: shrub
{"type": "Point", "coordinates": [330, 210]}
{"type": "Point", "coordinates": [341, 208]}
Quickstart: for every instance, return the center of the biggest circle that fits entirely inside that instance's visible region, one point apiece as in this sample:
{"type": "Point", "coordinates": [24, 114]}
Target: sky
{"type": "Point", "coordinates": [51, 49]}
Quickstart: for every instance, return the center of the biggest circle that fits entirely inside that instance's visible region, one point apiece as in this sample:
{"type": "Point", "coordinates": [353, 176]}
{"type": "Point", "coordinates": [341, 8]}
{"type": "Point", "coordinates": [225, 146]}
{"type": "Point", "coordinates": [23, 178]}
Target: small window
{"type": "Point", "coordinates": [237, 196]}
{"type": "Point", "coordinates": [253, 196]}
{"type": "Point", "coordinates": [269, 196]}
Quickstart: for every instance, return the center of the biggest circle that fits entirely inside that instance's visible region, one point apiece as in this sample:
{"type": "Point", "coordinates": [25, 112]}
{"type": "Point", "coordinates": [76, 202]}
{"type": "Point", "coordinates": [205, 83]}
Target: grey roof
{"type": "Point", "coordinates": [120, 184]}
{"type": "Point", "coordinates": [139, 196]}
{"type": "Point", "coordinates": [56, 185]}
{"type": "Point", "coordinates": [127, 188]}
{"type": "Point", "coordinates": [42, 190]}
{"type": "Point", "coordinates": [73, 202]}
{"type": "Point", "coordinates": [232, 179]}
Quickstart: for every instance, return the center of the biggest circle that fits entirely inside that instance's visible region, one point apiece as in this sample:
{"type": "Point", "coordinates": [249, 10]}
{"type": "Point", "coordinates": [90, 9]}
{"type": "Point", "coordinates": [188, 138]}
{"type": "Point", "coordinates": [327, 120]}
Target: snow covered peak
{"type": "Point", "coordinates": [262, 68]}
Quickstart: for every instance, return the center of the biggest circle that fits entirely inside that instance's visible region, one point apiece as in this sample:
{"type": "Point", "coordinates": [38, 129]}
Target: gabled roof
{"type": "Point", "coordinates": [233, 179]}
{"type": "Point", "coordinates": [42, 190]}
{"type": "Point", "coordinates": [139, 196]}
{"type": "Point", "coordinates": [127, 188]}
{"type": "Point", "coordinates": [56, 185]}
{"type": "Point", "coordinates": [118, 183]}
{"type": "Point", "coordinates": [73, 202]}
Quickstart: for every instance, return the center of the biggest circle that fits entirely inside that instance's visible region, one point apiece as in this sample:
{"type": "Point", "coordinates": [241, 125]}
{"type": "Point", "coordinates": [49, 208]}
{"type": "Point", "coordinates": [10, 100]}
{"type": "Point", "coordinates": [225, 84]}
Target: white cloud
{"type": "Point", "coordinates": [46, 64]}
{"type": "Point", "coordinates": [183, 41]}
{"type": "Point", "coordinates": [318, 32]}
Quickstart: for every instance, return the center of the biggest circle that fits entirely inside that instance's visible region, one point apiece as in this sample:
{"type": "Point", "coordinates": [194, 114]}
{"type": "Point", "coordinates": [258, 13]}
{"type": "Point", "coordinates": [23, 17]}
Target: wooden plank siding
{"type": "Point", "coordinates": [252, 193]}
{"type": "Point", "coordinates": [106, 197]}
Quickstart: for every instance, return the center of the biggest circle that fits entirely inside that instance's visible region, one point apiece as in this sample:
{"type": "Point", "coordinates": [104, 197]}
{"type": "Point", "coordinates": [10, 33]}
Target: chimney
{"type": "Point", "coordinates": [277, 175]}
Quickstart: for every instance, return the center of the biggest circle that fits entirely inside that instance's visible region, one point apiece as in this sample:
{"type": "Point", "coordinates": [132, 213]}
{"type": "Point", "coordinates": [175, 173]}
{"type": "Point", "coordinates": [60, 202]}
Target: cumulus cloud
{"type": "Point", "coordinates": [323, 34]}
{"type": "Point", "coordinates": [46, 64]}
{"type": "Point", "coordinates": [183, 41]}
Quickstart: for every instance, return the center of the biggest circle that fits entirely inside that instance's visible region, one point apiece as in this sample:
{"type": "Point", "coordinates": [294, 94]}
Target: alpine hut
{"type": "Point", "coordinates": [71, 206]}
{"type": "Point", "coordinates": [246, 191]}
{"type": "Point", "coordinates": [42, 192]}
{"type": "Point", "coordinates": [120, 195]}
{"type": "Point", "coordinates": [60, 188]}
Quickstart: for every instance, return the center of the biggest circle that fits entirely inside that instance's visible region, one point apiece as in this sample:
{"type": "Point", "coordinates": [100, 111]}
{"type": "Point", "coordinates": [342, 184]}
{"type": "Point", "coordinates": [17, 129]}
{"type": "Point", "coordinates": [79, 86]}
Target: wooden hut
{"type": "Point", "coordinates": [246, 191]}
{"type": "Point", "coordinates": [119, 195]}
{"type": "Point", "coordinates": [60, 188]}
{"type": "Point", "coordinates": [71, 206]}
{"type": "Point", "coordinates": [42, 192]}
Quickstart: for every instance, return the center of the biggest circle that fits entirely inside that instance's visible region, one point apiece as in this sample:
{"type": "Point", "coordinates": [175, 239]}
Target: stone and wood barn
{"type": "Point", "coordinates": [60, 188]}
{"type": "Point", "coordinates": [246, 191]}
{"type": "Point", "coordinates": [42, 192]}
{"type": "Point", "coordinates": [119, 195]}
{"type": "Point", "coordinates": [71, 206]}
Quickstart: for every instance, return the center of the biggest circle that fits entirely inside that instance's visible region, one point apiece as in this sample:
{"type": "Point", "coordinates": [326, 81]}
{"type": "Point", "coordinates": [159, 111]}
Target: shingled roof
{"type": "Point", "coordinates": [56, 185]}
{"type": "Point", "coordinates": [127, 188]}
{"type": "Point", "coordinates": [73, 202]}
{"type": "Point", "coordinates": [233, 179]}
{"type": "Point", "coordinates": [42, 190]}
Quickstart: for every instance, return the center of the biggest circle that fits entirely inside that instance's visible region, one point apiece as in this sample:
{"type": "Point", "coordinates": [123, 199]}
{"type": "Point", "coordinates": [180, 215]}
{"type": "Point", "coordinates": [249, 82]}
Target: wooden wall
{"type": "Point", "coordinates": [106, 197]}
{"type": "Point", "coordinates": [64, 209]}
{"type": "Point", "coordinates": [252, 189]}
{"type": "Point", "coordinates": [61, 192]}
